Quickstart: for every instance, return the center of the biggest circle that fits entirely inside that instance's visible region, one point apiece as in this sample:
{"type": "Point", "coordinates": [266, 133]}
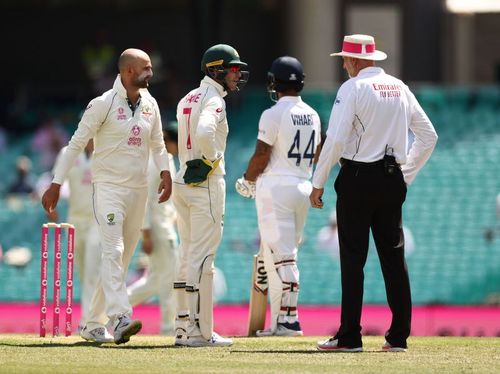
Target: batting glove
{"type": "Point", "coordinates": [245, 188]}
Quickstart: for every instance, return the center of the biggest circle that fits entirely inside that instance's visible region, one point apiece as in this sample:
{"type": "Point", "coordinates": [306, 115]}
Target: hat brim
{"type": "Point", "coordinates": [238, 63]}
{"type": "Point", "coordinates": [375, 56]}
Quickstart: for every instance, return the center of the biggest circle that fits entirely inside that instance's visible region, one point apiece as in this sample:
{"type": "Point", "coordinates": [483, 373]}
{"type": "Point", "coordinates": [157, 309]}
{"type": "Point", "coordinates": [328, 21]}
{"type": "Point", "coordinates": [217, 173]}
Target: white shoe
{"type": "Point", "coordinates": [282, 329]}
{"type": "Point", "coordinates": [215, 341]}
{"type": "Point", "coordinates": [332, 345]}
{"type": "Point", "coordinates": [126, 328]}
{"type": "Point", "coordinates": [98, 335]}
{"type": "Point", "coordinates": [387, 347]}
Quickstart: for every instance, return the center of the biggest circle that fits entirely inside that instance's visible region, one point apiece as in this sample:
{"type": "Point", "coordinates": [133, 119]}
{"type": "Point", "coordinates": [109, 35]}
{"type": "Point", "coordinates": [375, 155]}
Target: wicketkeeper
{"type": "Point", "coordinates": [200, 192]}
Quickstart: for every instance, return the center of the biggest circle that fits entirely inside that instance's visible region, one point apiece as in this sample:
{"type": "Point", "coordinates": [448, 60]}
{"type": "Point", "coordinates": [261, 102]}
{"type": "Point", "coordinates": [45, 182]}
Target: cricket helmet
{"type": "Point", "coordinates": [218, 59]}
{"type": "Point", "coordinates": [286, 73]}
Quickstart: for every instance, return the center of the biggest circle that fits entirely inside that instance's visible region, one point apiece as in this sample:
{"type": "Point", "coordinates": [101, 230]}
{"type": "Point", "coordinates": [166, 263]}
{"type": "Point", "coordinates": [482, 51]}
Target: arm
{"type": "Point", "coordinates": [160, 157]}
{"type": "Point", "coordinates": [268, 132]}
{"type": "Point", "coordinates": [425, 140]}
{"type": "Point", "coordinates": [207, 127]}
{"type": "Point", "coordinates": [165, 187]}
{"type": "Point", "coordinates": [259, 161]}
{"type": "Point", "coordinates": [87, 128]}
{"type": "Point", "coordinates": [339, 128]}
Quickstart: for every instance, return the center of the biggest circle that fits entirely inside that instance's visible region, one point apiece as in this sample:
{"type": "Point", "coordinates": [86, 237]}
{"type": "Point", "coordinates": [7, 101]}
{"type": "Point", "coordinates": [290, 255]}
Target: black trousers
{"type": "Point", "coordinates": [367, 199]}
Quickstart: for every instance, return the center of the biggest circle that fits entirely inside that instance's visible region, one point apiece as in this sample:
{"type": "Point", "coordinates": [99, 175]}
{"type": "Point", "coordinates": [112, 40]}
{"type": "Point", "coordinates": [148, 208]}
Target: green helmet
{"type": "Point", "coordinates": [220, 56]}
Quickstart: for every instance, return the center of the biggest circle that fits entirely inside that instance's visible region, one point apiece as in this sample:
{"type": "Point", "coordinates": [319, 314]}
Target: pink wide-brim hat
{"type": "Point", "coordinates": [360, 46]}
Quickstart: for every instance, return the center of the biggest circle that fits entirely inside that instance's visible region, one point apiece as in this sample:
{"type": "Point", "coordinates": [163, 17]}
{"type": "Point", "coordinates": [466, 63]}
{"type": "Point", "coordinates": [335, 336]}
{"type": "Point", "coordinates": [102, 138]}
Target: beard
{"type": "Point", "coordinates": [142, 81]}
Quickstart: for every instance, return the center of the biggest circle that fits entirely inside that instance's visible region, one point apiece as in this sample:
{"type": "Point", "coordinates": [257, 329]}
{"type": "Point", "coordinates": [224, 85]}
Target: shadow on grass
{"type": "Point", "coordinates": [88, 344]}
{"type": "Point", "coordinates": [311, 351]}
{"type": "Point", "coordinates": [274, 351]}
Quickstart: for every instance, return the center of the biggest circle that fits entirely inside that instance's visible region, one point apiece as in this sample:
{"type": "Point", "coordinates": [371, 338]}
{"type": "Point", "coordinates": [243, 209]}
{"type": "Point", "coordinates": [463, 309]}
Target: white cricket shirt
{"type": "Point", "coordinates": [203, 127]}
{"type": "Point", "coordinates": [159, 216]}
{"type": "Point", "coordinates": [371, 111]}
{"type": "Point", "coordinates": [293, 129]}
{"type": "Point", "coordinates": [122, 139]}
{"type": "Point", "coordinates": [79, 179]}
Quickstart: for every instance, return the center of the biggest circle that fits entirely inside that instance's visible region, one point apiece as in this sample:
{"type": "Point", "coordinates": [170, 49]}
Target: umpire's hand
{"type": "Point", "coordinates": [315, 197]}
{"type": "Point", "coordinates": [165, 187]}
{"type": "Point", "coordinates": [51, 197]}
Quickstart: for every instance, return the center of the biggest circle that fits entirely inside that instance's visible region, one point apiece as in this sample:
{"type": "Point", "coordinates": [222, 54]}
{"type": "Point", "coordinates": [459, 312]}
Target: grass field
{"type": "Point", "coordinates": [156, 354]}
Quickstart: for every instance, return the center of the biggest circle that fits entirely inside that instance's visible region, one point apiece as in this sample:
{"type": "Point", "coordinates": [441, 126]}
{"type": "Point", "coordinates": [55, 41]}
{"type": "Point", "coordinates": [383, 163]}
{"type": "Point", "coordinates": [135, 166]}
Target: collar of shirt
{"type": "Point", "coordinates": [210, 82]}
{"type": "Point", "coordinates": [120, 89]}
{"type": "Point", "coordinates": [294, 99]}
{"type": "Point", "coordinates": [370, 70]}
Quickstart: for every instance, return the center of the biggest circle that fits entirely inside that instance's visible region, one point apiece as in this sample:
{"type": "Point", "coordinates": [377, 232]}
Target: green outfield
{"type": "Point", "coordinates": [155, 354]}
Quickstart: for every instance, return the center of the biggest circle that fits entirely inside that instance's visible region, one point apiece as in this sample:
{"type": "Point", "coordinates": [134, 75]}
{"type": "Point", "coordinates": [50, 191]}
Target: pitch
{"type": "Point", "coordinates": [157, 354]}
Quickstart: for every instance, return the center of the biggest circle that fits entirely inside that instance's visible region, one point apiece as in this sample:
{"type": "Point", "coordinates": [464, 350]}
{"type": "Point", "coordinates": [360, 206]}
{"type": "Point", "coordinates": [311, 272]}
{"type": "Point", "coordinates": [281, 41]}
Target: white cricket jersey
{"type": "Point", "coordinates": [159, 216]}
{"type": "Point", "coordinates": [293, 129]}
{"type": "Point", "coordinates": [371, 111]}
{"type": "Point", "coordinates": [79, 179]}
{"type": "Point", "coordinates": [122, 139]}
{"type": "Point", "coordinates": [203, 127]}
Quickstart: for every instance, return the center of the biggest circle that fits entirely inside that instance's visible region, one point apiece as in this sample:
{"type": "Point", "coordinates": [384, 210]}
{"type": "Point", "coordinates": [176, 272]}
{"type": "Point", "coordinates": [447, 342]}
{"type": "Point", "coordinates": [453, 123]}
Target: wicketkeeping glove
{"type": "Point", "coordinates": [245, 188]}
{"type": "Point", "coordinates": [199, 169]}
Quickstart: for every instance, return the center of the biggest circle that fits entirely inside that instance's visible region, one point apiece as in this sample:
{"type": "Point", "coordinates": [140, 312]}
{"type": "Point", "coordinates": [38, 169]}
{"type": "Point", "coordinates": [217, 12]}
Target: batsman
{"type": "Point", "coordinates": [278, 176]}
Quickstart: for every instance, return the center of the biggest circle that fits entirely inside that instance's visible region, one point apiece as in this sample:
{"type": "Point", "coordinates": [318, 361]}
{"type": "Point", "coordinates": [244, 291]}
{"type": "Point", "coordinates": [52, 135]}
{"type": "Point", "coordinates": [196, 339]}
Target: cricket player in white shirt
{"type": "Point", "coordinates": [199, 192]}
{"type": "Point", "coordinates": [126, 126]}
{"type": "Point", "coordinates": [368, 135]}
{"type": "Point", "coordinates": [81, 215]}
{"type": "Point", "coordinates": [160, 243]}
{"type": "Point", "coordinates": [279, 174]}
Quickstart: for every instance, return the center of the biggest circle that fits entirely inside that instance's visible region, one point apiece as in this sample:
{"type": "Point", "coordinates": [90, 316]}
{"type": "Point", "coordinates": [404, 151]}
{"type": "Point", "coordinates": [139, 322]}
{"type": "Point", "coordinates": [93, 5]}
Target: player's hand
{"type": "Point", "coordinates": [315, 197]}
{"type": "Point", "coordinates": [53, 216]}
{"type": "Point", "coordinates": [165, 187]}
{"type": "Point", "coordinates": [51, 197]}
{"type": "Point", "coordinates": [147, 242]}
{"type": "Point", "coordinates": [245, 188]}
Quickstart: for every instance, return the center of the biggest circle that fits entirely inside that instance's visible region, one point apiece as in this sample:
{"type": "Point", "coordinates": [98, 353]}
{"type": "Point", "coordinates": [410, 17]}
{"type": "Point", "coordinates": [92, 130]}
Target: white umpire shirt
{"type": "Point", "coordinates": [122, 139]}
{"type": "Point", "coordinates": [293, 128]}
{"type": "Point", "coordinates": [203, 126]}
{"type": "Point", "coordinates": [371, 111]}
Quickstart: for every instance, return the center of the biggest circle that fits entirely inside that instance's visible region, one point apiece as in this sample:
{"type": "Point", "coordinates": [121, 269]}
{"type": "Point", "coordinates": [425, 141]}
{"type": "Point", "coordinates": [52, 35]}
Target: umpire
{"type": "Point", "coordinates": [368, 135]}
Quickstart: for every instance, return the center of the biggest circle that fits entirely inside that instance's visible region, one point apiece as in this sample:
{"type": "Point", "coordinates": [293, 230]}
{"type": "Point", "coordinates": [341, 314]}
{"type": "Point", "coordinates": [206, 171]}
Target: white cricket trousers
{"type": "Point", "coordinates": [200, 220]}
{"type": "Point", "coordinates": [159, 278]}
{"type": "Point", "coordinates": [282, 205]}
{"type": "Point", "coordinates": [87, 259]}
{"type": "Point", "coordinates": [119, 214]}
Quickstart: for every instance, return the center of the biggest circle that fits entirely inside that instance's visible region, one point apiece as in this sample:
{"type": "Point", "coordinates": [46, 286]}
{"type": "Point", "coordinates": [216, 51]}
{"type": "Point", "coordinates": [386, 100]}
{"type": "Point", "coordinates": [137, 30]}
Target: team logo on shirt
{"type": "Point", "coordinates": [218, 110]}
{"type": "Point", "coordinates": [135, 139]}
{"type": "Point", "coordinates": [146, 111]}
{"type": "Point", "coordinates": [111, 218]}
{"type": "Point", "coordinates": [121, 114]}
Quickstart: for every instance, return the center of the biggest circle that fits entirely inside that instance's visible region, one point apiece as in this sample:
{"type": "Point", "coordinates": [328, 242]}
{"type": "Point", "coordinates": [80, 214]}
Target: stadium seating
{"type": "Point", "coordinates": [448, 208]}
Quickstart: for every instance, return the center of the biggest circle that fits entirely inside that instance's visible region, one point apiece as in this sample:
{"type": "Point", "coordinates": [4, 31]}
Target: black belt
{"type": "Point", "coordinates": [344, 161]}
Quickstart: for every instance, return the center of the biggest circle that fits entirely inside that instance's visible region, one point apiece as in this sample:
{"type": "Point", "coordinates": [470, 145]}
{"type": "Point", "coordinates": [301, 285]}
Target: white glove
{"type": "Point", "coordinates": [245, 188]}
